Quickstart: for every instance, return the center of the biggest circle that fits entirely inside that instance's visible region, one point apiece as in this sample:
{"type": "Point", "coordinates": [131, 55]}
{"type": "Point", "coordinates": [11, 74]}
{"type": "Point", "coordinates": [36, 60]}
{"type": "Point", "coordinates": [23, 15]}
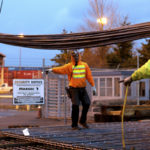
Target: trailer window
{"type": "Point", "coordinates": [102, 87]}
{"type": "Point", "coordinates": [116, 87]}
{"type": "Point", "coordinates": [109, 86]}
{"type": "Point", "coordinates": [105, 86]}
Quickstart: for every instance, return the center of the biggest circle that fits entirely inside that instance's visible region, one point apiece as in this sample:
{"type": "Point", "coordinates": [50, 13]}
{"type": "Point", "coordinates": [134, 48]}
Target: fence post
{"type": "Point", "coordinates": [65, 105]}
{"type": "Point", "coordinates": [46, 96]}
{"type": "Point", "coordinates": [59, 98]}
{"type": "Point", "coordinates": [17, 107]}
{"type": "Point", "coordinates": [28, 107]}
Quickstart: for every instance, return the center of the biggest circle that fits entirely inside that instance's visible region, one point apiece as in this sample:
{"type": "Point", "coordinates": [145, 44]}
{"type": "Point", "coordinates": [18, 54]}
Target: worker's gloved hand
{"type": "Point", "coordinates": [94, 90]}
{"type": "Point", "coordinates": [127, 81]}
{"type": "Point", "coordinates": [48, 70]}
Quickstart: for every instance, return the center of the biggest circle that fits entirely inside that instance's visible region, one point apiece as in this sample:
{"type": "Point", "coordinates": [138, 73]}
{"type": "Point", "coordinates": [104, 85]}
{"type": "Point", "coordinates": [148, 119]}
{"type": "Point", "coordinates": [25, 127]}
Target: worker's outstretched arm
{"type": "Point", "coordinates": [142, 73]}
{"type": "Point", "coordinates": [59, 70]}
{"type": "Point", "coordinates": [62, 70]}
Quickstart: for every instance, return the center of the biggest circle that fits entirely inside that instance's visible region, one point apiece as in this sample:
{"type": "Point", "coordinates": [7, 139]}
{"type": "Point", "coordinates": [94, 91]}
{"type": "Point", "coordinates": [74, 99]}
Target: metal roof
{"type": "Point", "coordinates": [2, 55]}
{"type": "Point", "coordinates": [112, 73]}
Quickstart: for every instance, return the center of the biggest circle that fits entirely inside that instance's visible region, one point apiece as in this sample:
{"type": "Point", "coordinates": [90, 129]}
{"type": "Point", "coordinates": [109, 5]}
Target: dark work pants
{"type": "Point", "coordinates": [79, 95]}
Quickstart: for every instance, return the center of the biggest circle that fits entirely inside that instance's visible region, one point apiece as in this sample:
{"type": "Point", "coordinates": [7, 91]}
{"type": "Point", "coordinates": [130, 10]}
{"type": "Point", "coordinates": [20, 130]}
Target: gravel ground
{"type": "Point", "coordinates": [11, 117]}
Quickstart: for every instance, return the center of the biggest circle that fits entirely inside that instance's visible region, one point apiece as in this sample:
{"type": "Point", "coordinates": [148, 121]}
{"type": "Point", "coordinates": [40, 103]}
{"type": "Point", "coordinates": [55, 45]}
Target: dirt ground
{"type": "Point", "coordinates": [13, 118]}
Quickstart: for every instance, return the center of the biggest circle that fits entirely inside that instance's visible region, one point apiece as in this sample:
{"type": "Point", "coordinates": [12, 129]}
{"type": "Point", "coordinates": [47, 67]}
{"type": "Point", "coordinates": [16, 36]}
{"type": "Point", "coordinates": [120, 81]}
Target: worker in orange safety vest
{"type": "Point", "coordinates": [78, 72]}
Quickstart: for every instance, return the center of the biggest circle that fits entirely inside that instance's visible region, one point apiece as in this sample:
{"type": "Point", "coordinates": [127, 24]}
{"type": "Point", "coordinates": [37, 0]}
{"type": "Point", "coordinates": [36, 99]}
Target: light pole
{"type": "Point", "coordinates": [20, 50]}
{"type": "Point", "coordinates": [100, 13]}
{"type": "Point", "coordinates": [102, 21]}
{"type": "Point", "coordinates": [20, 58]}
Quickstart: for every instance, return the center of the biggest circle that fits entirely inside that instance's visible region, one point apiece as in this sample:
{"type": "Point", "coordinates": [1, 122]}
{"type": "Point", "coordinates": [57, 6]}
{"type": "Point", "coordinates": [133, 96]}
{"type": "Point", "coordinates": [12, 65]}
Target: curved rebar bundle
{"type": "Point", "coordinates": [79, 40]}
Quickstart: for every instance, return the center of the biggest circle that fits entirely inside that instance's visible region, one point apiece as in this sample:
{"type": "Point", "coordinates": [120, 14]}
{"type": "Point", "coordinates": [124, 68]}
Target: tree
{"type": "Point", "coordinates": [64, 57]}
{"type": "Point", "coordinates": [89, 57]}
{"type": "Point", "coordinates": [99, 9]}
{"type": "Point", "coordinates": [144, 52]}
{"type": "Point", "coordinates": [122, 55]}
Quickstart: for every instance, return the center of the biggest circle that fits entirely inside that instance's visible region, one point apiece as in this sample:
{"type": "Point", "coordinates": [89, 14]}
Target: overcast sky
{"type": "Point", "coordinates": [51, 17]}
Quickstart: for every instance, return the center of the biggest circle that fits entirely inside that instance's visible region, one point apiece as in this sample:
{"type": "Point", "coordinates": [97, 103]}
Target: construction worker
{"type": "Point", "coordinates": [141, 73]}
{"type": "Point", "coordinates": [77, 72]}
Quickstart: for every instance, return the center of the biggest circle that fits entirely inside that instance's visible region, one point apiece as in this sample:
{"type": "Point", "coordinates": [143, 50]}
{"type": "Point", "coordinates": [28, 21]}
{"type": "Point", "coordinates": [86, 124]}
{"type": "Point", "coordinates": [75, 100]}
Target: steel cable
{"type": "Point", "coordinates": [1, 6]}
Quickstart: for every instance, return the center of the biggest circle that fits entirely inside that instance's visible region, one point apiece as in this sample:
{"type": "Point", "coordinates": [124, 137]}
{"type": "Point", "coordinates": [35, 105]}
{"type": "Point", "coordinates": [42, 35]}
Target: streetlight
{"type": "Point", "coordinates": [21, 35]}
{"type": "Point", "coordinates": [102, 21]}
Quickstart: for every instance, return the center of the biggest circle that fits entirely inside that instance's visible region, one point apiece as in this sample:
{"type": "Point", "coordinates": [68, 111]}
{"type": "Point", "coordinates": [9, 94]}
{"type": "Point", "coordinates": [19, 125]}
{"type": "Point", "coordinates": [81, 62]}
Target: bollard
{"type": "Point", "coordinates": [17, 107]}
{"type": "Point", "coordinates": [28, 107]}
{"type": "Point", "coordinates": [39, 112]}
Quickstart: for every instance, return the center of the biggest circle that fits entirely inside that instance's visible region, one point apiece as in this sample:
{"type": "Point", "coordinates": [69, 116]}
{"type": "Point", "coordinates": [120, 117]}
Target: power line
{"type": "Point", "coordinates": [1, 6]}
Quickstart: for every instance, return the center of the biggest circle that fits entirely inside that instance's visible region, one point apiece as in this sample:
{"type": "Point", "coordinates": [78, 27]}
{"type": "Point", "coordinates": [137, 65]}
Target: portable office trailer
{"type": "Point", "coordinates": [109, 91]}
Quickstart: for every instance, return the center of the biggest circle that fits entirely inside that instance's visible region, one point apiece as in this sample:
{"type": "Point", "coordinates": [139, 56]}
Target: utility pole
{"type": "Point", "coordinates": [20, 54]}
{"type": "Point", "coordinates": [20, 58]}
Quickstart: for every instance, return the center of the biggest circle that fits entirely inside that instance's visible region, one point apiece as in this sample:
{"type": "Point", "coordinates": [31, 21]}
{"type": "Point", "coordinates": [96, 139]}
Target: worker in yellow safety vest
{"type": "Point", "coordinates": [141, 73]}
{"type": "Point", "coordinates": [78, 72]}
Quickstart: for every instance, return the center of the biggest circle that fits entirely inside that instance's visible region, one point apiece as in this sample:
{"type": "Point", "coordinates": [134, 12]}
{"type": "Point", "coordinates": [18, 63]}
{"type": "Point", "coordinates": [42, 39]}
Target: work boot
{"type": "Point", "coordinates": [84, 125]}
{"type": "Point", "coordinates": [76, 128]}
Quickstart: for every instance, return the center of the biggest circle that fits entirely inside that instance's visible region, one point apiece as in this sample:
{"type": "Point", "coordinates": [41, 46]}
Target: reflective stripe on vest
{"type": "Point", "coordinates": [78, 71]}
{"type": "Point", "coordinates": [79, 76]}
{"type": "Point", "coordinates": [78, 67]}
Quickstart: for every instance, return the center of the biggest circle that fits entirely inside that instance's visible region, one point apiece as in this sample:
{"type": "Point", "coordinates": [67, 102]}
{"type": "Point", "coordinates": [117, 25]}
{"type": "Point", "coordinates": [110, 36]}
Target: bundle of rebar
{"type": "Point", "coordinates": [15, 141]}
{"type": "Point", "coordinates": [79, 40]}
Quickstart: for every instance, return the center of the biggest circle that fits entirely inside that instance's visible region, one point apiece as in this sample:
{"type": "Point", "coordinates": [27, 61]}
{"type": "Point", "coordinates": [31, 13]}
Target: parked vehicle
{"type": "Point", "coordinates": [4, 88]}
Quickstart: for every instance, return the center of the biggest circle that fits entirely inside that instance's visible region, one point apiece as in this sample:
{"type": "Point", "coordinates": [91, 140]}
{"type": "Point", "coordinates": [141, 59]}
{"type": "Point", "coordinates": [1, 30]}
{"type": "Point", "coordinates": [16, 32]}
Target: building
{"type": "Point", "coordinates": [111, 92]}
{"type": "Point", "coordinates": [109, 88]}
{"type": "Point", "coordinates": [11, 73]}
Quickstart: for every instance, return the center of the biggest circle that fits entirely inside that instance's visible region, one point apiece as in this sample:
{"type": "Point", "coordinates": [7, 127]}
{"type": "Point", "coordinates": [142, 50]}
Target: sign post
{"type": "Point", "coordinates": [28, 91]}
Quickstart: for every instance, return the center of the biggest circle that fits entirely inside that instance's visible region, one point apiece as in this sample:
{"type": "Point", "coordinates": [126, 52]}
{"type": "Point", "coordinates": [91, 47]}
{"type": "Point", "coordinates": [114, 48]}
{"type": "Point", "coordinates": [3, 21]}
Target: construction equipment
{"type": "Point", "coordinates": [4, 88]}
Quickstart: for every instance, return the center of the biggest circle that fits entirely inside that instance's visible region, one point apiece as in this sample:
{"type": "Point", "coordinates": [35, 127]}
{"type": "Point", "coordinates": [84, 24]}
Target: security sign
{"type": "Point", "coordinates": [28, 91]}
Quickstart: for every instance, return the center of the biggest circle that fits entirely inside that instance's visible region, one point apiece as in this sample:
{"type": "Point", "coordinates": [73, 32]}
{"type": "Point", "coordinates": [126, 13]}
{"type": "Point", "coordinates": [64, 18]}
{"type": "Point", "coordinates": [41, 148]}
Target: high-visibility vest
{"type": "Point", "coordinates": [78, 71]}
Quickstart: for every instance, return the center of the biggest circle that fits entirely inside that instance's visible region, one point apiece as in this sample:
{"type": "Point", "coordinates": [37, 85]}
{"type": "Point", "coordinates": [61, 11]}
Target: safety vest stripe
{"type": "Point", "coordinates": [79, 76]}
{"type": "Point", "coordinates": [78, 67]}
{"type": "Point", "coordinates": [79, 71]}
